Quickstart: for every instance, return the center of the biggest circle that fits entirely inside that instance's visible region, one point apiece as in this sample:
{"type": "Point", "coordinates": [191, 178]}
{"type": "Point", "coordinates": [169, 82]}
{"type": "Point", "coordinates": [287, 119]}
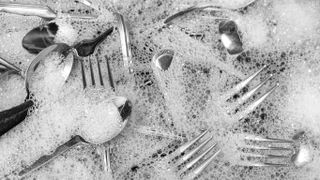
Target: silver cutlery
{"type": "Point", "coordinates": [211, 7]}
{"type": "Point", "coordinates": [190, 159]}
{"type": "Point", "coordinates": [230, 37]}
{"type": "Point", "coordinates": [11, 117]}
{"type": "Point", "coordinates": [4, 64]}
{"type": "Point", "coordinates": [271, 152]}
{"type": "Point", "coordinates": [43, 36]}
{"type": "Point", "coordinates": [163, 59]}
{"type": "Point", "coordinates": [125, 42]}
{"type": "Point", "coordinates": [75, 141]}
{"type": "Point", "coordinates": [241, 100]}
{"type": "Point", "coordinates": [228, 29]}
{"type": "Point", "coordinates": [124, 108]}
{"type": "Point", "coordinates": [41, 11]}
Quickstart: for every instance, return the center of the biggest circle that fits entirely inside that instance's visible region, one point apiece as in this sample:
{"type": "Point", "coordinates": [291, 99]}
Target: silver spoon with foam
{"type": "Point", "coordinates": [123, 108]}
{"type": "Point", "coordinates": [163, 59]}
{"type": "Point", "coordinates": [228, 29]}
{"type": "Point", "coordinates": [13, 116]}
{"type": "Point", "coordinates": [41, 11]}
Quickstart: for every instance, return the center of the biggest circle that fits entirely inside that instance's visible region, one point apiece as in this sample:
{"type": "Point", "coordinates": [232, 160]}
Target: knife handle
{"type": "Point", "coordinates": [13, 116]}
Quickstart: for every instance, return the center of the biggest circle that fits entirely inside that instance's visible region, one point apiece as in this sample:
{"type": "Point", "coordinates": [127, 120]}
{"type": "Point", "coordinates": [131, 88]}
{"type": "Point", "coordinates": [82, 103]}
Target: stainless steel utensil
{"type": "Point", "coordinates": [15, 115]}
{"type": "Point", "coordinates": [122, 105]}
{"type": "Point", "coordinates": [227, 28]}
{"type": "Point", "coordinates": [43, 36]}
{"type": "Point", "coordinates": [185, 164]}
{"type": "Point", "coordinates": [9, 66]}
{"type": "Point", "coordinates": [125, 42]}
{"type": "Point", "coordinates": [272, 152]}
{"type": "Point", "coordinates": [41, 11]}
{"type": "Point", "coordinates": [163, 59]}
{"type": "Point", "coordinates": [241, 114]}
{"type": "Point", "coordinates": [211, 7]}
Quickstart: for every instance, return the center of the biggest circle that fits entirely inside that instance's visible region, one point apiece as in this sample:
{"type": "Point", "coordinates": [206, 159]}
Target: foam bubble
{"type": "Point", "coordinates": [12, 91]}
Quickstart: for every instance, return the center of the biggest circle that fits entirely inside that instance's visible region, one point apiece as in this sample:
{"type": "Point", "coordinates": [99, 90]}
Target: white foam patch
{"type": "Point", "coordinates": [12, 91]}
{"type": "Point", "coordinates": [304, 97]}
{"type": "Point", "coordinates": [66, 33]}
{"type": "Point", "coordinates": [254, 28]}
{"type": "Point", "coordinates": [296, 21]}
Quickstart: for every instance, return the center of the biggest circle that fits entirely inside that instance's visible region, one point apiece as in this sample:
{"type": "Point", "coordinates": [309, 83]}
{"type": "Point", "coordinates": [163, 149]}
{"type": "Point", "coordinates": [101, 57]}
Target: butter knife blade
{"type": "Point", "coordinates": [28, 10]}
{"type": "Point", "coordinates": [48, 158]}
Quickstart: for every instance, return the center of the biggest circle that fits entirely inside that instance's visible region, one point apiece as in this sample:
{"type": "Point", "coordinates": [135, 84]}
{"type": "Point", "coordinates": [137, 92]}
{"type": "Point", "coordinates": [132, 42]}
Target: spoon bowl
{"type": "Point", "coordinates": [163, 59]}
{"type": "Point", "coordinates": [61, 49]}
{"type": "Point", "coordinates": [11, 117]}
{"type": "Point", "coordinates": [230, 37]}
{"type": "Point", "coordinates": [40, 37]}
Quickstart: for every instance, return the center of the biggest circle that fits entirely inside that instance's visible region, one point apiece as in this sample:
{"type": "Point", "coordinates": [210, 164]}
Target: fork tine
{"type": "Point", "coordinates": [100, 73]}
{"type": "Point", "coordinates": [255, 89]}
{"type": "Point", "coordinates": [268, 148]}
{"type": "Point", "coordinates": [199, 169]}
{"type": "Point", "coordinates": [255, 104]}
{"type": "Point", "coordinates": [243, 83]}
{"type": "Point", "coordinates": [91, 73]}
{"type": "Point", "coordinates": [84, 82]}
{"type": "Point", "coordinates": [191, 153]}
{"type": "Point", "coordinates": [111, 82]}
{"type": "Point", "coordinates": [265, 164]}
{"type": "Point", "coordinates": [185, 146]}
{"type": "Point", "coordinates": [195, 160]}
{"type": "Point", "coordinates": [271, 140]}
{"type": "Point", "coordinates": [268, 156]}
{"type": "Point", "coordinates": [108, 158]}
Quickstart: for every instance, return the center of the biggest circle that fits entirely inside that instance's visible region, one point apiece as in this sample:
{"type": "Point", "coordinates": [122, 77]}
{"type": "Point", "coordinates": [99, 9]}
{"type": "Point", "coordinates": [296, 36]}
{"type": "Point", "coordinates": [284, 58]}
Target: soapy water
{"type": "Point", "coordinates": [178, 102]}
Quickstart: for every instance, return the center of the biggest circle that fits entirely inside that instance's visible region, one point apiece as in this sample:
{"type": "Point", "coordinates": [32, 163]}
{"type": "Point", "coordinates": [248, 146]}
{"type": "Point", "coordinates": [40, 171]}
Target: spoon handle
{"type": "Point", "coordinates": [28, 10]}
{"type": "Point", "coordinates": [125, 42]}
{"type": "Point", "coordinates": [12, 117]}
{"type": "Point", "coordinates": [87, 47]}
{"type": "Point", "coordinates": [43, 160]}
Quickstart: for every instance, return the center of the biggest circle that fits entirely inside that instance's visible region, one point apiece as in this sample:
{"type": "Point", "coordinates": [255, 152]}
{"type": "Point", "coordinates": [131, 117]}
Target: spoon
{"type": "Point", "coordinates": [41, 11]}
{"type": "Point", "coordinates": [169, 20]}
{"type": "Point", "coordinates": [43, 36]}
{"type": "Point", "coordinates": [12, 117]}
{"type": "Point", "coordinates": [227, 28]}
{"type": "Point", "coordinates": [303, 154]}
{"type": "Point", "coordinates": [125, 42]}
{"type": "Point", "coordinates": [230, 37]}
{"type": "Point", "coordinates": [163, 59]}
{"type": "Point", "coordinates": [124, 107]}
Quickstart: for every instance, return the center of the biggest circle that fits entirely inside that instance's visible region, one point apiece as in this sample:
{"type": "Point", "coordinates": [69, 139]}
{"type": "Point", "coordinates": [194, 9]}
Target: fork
{"type": "Point", "coordinates": [92, 79]}
{"type": "Point", "coordinates": [271, 152]}
{"type": "Point", "coordinates": [188, 164]}
{"type": "Point", "coordinates": [241, 100]}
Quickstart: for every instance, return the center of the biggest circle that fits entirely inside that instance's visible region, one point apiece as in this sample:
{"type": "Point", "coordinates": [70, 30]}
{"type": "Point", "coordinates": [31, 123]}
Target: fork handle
{"type": "Point", "coordinates": [28, 10]}
{"type": "Point", "coordinates": [13, 116]}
